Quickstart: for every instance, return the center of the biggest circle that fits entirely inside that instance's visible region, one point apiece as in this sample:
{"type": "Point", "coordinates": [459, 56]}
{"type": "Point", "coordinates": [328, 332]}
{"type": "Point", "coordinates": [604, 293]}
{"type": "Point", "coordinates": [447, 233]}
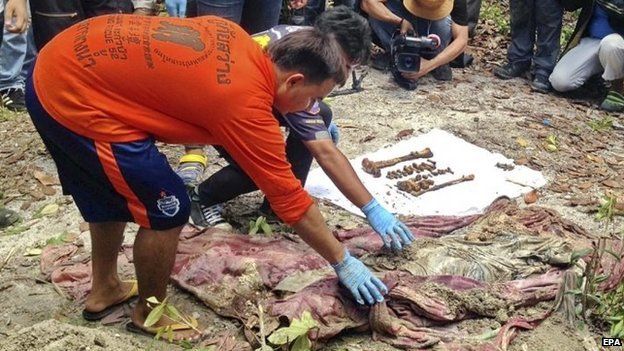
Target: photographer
{"type": "Point", "coordinates": [422, 18]}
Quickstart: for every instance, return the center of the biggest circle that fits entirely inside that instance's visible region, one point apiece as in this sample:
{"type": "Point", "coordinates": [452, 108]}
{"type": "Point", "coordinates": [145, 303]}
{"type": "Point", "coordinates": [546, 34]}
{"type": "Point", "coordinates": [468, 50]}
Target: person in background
{"type": "Point", "coordinates": [535, 35]}
{"type": "Point", "coordinates": [596, 47]}
{"type": "Point", "coordinates": [254, 16]}
{"type": "Point", "coordinates": [16, 56]}
{"type": "Point", "coordinates": [176, 8]}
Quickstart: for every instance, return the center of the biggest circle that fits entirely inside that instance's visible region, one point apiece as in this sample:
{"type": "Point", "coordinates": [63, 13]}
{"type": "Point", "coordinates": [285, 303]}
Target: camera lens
{"type": "Point", "coordinates": [408, 62]}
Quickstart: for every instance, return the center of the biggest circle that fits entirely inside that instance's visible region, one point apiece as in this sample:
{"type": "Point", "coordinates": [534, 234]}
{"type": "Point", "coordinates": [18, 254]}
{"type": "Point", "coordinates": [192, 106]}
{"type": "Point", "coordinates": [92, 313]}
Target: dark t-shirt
{"type": "Point", "coordinates": [459, 14]}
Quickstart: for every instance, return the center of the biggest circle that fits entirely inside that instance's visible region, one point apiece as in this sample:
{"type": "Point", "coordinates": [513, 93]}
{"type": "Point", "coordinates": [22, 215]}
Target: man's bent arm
{"type": "Point", "coordinates": [339, 170]}
{"type": "Point", "coordinates": [378, 10]}
{"type": "Point", "coordinates": [313, 230]}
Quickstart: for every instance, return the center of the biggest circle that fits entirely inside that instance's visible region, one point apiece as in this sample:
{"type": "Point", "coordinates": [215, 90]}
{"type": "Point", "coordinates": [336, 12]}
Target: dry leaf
{"type": "Point", "coordinates": [404, 133]}
{"type": "Point", "coordinates": [367, 138]}
{"type": "Point", "coordinates": [522, 142]}
{"type": "Point", "coordinates": [522, 161]}
{"type": "Point", "coordinates": [33, 252]}
{"type": "Point", "coordinates": [530, 197]}
{"type": "Point", "coordinates": [37, 195]}
{"type": "Point", "coordinates": [585, 186]}
{"type": "Point", "coordinates": [45, 178]}
{"type": "Point", "coordinates": [49, 209]}
{"type": "Point", "coordinates": [83, 227]}
{"type": "Point", "coordinates": [47, 190]}
{"type": "Point", "coordinates": [25, 205]}
{"type": "Point", "coordinates": [611, 183]}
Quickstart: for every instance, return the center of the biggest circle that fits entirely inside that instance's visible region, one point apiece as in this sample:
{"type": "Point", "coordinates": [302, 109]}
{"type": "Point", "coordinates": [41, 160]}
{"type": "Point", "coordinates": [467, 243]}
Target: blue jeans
{"type": "Point", "coordinates": [16, 57]}
{"type": "Point", "coordinates": [253, 15]}
{"type": "Point", "coordinates": [535, 23]}
{"type": "Point", "coordinates": [424, 27]}
{"type": "Point", "coordinates": [176, 8]}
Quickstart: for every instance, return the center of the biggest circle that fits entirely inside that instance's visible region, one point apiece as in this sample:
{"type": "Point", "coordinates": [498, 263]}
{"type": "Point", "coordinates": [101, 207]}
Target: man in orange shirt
{"type": "Point", "coordinates": [106, 89]}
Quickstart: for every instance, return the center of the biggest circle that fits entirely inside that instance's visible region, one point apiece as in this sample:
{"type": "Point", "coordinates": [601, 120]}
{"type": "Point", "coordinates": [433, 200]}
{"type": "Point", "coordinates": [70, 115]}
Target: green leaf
{"type": "Point", "coordinates": [169, 333]}
{"type": "Point", "coordinates": [260, 220]}
{"type": "Point", "coordinates": [266, 228]}
{"type": "Point", "coordinates": [617, 329]}
{"type": "Point", "coordinates": [302, 343]}
{"type": "Point", "coordinates": [153, 300]}
{"type": "Point", "coordinates": [576, 255]}
{"type": "Point", "coordinates": [297, 328]}
{"type": "Point", "coordinates": [159, 333]}
{"type": "Point", "coordinates": [173, 312]}
{"type": "Point", "coordinates": [154, 316]}
{"type": "Point", "coordinates": [601, 278]}
{"type": "Point", "coordinates": [264, 348]}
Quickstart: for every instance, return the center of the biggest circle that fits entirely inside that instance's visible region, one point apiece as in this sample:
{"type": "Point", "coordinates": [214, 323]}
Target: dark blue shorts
{"type": "Point", "coordinates": [113, 182]}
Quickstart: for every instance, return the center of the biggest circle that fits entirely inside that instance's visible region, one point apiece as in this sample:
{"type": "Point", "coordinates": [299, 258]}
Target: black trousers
{"type": "Point", "coordinates": [50, 17]}
{"type": "Point", "coordinates": [231, 181]}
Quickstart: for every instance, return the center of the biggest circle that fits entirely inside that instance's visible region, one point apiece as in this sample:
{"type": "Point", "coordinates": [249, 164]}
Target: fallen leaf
{"type": "Point", "coordinates": [47, 190]}
{"type": "Point", "coordinates": [37, 195]}
{"type": "Point", "coordinates": [33, 252]}
{"type": "Point", "coordinates": [522, 142]}
{"type": "Point", "coordinates": [25, 205]}
{"type": "Point", "coordinates": [612, 183]}
{"type": "Point", "coordinates": [49, 209]}
{"type": "Point", "coordinates": [404, 133]}
{"type": "Point", "coordinates": [530, 197]}
{"type": "Point", "coordinates": [522, 161]}
{"type": "Point", "coordinates": [45, 178]}
{"type": "Point", "coordinates": [585, 186]}
{"type": "Point", "coordinates": [581, 202]}
{"type": "Point", "coordinates": [83, 227]}
{"type": "Point", "coordinates": [367, 138]}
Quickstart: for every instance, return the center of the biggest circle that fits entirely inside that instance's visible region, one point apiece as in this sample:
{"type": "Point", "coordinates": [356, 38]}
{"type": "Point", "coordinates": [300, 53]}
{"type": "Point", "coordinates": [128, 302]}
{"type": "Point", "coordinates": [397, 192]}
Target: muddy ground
{"type": "Point", "coordinates": [502, 116]}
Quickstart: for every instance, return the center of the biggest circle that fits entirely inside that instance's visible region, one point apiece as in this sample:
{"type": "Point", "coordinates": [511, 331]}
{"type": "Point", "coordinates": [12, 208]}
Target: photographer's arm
{"type": "Point", "coordinates": [378, 10]}
{"type": "Point", "coordinates": [456, 47]}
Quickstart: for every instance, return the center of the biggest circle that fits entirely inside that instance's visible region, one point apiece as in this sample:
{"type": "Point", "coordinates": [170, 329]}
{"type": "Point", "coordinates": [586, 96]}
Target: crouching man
{"type": "Point", "coordinates": [105, 90]}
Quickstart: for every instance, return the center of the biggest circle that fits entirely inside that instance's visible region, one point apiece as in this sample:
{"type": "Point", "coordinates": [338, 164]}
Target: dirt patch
{"type": "Point", "coordinates": [553, 334]}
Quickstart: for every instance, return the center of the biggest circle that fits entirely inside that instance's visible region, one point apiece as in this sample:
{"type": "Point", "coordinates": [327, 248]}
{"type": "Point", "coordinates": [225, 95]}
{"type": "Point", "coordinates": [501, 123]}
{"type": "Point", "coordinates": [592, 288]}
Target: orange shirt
{"type": "Point", "coordinates": [121, 78]}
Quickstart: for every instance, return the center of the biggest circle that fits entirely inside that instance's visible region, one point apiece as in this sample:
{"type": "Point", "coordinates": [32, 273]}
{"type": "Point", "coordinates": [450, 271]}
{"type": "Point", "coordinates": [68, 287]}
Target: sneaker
{"type": "Point", "coordinates": [13, 99]}
{"type": "Point", "coordinates": [614, 102]}
{"type": "Point", "coordinates": [541, 84]}
{"type": "Point", "coordinates": [443, 73]}
{"type": "Point", "coordinates": [511, 70]}
{"type": "Point", "coordinates": [403, 82]}
{"type": "Point", "coordinates": [207, 216]}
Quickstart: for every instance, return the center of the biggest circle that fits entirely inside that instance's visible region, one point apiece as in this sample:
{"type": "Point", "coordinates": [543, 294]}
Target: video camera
{"type": "Point", "coordinates": [406, 50]}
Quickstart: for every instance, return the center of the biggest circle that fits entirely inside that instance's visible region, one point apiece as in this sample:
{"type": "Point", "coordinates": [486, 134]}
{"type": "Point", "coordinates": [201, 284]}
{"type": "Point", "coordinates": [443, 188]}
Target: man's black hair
{"type": "Point", "coordinates": [350, 29]}
{"type": "Point", "coordinates": [317, 55]}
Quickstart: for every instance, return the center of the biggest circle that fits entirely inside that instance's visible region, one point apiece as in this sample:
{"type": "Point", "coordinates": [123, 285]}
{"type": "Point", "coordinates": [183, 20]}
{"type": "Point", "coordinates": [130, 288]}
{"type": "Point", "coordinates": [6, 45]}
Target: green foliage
{"type": "Point", "coordinates": [163, 308]}
{"type": "Point", "coordinates": [58, 240]}
{"type": "Point", "coordinates": [495, 12]}
{"type": "Point", "coordinates": [260, 225]}
{"type": "Point", "coordinates": [606, 211]}
{"type": "Point", "coordinates": [296, 334]}
{"type": "Point", "coordinates": [601, 124]}
{"type": "Point", "coordinates": [551, 143]}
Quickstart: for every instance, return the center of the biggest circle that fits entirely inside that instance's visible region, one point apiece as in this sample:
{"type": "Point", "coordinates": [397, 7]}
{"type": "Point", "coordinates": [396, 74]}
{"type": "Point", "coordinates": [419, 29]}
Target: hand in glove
{"type": "Point", "coordinates": [364, 286]}
{"type": "Point", "coordinates": [393, 232]}
{"type": "Point", "coordinates": [334, 132]}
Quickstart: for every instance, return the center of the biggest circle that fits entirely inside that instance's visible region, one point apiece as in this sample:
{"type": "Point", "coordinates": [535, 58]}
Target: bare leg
{"type": "Point", "coordinates": [106, 288]}
{"type": "Point", "coordinates": [154, 255]}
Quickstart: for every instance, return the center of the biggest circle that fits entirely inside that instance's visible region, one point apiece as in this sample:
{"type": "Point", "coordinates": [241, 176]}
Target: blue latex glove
{"type": "Point", "coordinates": [176, 8]}
{"type": "Point", "coordinates": [393, 232]}
{"type": "Point", "coordinates": [364, 286]}
{"type": "Point", "coordinates": [334, 132]}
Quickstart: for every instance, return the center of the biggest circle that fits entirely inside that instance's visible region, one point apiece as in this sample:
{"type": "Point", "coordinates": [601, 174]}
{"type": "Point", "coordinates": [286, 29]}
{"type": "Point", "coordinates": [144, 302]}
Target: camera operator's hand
{"type": "Point", "coordinates": [425, 67]}
{"type": "Point", "coordinates": [406, 26]}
